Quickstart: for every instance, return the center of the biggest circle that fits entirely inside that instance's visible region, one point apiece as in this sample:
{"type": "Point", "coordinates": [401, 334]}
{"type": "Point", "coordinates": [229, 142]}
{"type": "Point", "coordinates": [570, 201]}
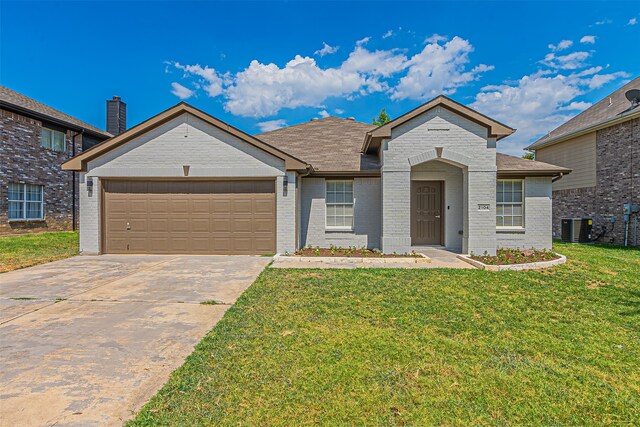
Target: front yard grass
{"type": "Point", "coordinates": [421, 347]}
{"type": "Point", "coordinates": [31, 249]}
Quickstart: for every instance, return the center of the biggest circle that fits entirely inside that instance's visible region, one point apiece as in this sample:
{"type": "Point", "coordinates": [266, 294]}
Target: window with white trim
{"type": "Point", "coordinates": [25, 201]}
{"type": "Point", "coordinates": [53, 140]}
{"type": "Point", "coordinates": [339, 201]}
{"type": "Point", "coordinates": [510, 203]}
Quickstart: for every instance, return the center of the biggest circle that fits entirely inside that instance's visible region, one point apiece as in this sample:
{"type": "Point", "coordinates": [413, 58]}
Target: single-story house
{"type": "Point", "coordinates": [186, 182]}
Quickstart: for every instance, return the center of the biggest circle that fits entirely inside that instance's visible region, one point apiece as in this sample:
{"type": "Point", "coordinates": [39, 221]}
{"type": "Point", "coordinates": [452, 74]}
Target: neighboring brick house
{"type": "Point", "coordinates": [602, 148]}
{"type": "Point", "coordinates": [35, 193]}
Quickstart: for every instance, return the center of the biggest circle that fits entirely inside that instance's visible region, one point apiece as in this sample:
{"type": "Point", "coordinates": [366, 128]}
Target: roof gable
{"type": "Point", "coordinates": [79, 162]}
{"type": "Point", "coordinates": [496, 129]}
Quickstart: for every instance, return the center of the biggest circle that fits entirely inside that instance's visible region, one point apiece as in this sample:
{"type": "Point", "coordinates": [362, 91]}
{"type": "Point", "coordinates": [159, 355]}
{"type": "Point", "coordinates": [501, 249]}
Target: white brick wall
{"type": "Point", "coordinates": [537, 220]}
{"type": "Point", "coordinates": [89, 226]}
{"type": "Point", "coordinates": [466, 145]}
{"type": "Point", "coordinates": [367, 215]}
{"type": "Point", "coordinates": [285, 213]}
{"type": "Point", "coordinates": [210, 152]}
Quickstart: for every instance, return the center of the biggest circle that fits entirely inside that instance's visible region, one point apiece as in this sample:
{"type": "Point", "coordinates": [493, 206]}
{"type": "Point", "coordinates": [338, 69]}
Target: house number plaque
{"type": "Point", "coordinates": [483, 206]}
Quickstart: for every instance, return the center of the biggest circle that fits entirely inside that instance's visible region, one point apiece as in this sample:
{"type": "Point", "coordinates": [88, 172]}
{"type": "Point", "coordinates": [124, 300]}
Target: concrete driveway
{"type": "Point", "coordinates": [88, 340]}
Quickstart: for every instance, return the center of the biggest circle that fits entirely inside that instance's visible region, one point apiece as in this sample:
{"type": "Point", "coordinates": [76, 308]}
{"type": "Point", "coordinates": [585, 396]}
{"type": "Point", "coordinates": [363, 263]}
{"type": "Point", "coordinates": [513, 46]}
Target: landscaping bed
{"type": "Point", "coordinates": [516, 256]}
{"type": "Point", "coordinates": [350, 252]}
{"type": "Point", "coordinates": [515, 259]}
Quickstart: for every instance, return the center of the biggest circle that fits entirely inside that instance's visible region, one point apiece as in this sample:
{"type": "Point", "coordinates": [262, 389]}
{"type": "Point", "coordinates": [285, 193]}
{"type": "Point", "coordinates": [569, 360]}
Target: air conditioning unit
{"type": "Point", "coordinates": [576, 230]}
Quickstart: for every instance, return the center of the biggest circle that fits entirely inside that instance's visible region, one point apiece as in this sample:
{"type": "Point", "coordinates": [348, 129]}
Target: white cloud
{"type": "Point", "coordinates": [438, 69]}
{"type": "Point", "coordinates": [538, 103]}
{"type": "Point", "coordinates": [378, 63]}
{"type": "Point", "coordinates": [271, 125]}
{"type": "Point", "coordinates": [339, 111]}
{"type": "Point", "coordinates": [632, 21]}
{"type": "Point", "coordinates": [564, 44]}
{"type": "Point", "coordinates": [363, 41]}
{"type": "Point", "coordinates": [209, 78]}
{"type": "Point", "coordinates": [180, 91]}
{"type": "Point", "coordinates": [323, 113]}
{"type": "Point", "coordinates": [435, 38]}
{"type": "Point", "coordinates": [571, 61]}
{"type": "Point", "coordinates": [262, 90]}
{"type": "Point", "coordinates": [326, 50]}
{"type": "Point", "coordinates": [588, 39]}
{"type": "Point", "coordinates": [388, 34]}
{"type": "Point", "coordinates": [604, 21]}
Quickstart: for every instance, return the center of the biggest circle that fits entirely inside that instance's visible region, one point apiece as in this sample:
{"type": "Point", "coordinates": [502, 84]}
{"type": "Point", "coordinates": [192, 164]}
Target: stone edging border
{"type": "Point", "coordinates": [350, 260]}
{"type": "Point", "coordinates": [514, 267]}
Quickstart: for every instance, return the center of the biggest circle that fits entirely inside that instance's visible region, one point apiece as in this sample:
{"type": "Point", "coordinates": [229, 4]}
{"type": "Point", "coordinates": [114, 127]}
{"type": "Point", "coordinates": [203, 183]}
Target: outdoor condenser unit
{"type": "Point", "coordinates": [576, 230]}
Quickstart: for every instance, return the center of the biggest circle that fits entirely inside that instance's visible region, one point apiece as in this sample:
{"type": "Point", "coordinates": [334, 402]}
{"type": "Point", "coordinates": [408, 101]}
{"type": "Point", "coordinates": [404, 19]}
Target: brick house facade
{"type": "Point", "coordinates": [605, 154]}
{"type": "Point", "coordinates": [26, 162]}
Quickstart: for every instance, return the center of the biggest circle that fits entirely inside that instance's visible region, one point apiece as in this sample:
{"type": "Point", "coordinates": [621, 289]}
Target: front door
{"type": "Point", "coordinates": [426, 212]}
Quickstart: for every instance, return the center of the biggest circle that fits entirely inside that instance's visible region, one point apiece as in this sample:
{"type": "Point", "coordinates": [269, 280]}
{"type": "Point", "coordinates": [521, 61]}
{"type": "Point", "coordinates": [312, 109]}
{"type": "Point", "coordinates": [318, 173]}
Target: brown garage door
{"type": "Point", "coordinates": [189, 217]}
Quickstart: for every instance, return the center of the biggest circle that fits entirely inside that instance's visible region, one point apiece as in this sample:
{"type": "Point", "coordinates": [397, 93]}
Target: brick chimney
{"type": "Point", "coordinates": [116, 116]}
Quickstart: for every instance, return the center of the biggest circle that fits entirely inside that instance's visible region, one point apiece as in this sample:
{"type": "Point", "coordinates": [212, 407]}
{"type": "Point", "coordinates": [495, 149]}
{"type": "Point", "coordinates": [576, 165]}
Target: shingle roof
{"type": "Point", "coordinates": [516, 165]}
{"type": "Point", "coordinates": [13, 98]}
{"type": "Point", "coordinates": [331, 144]}
{"type": "Point", "coordinates": [611, 107]}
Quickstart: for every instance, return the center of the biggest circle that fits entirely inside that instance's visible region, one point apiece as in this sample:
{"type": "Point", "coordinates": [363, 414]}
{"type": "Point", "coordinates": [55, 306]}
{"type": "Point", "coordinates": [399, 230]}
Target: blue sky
{"type": "Point", "coordinates": [260, 65]}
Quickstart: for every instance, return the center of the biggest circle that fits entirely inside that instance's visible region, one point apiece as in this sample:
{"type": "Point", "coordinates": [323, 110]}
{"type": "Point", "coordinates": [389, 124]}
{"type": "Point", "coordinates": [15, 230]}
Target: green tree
{"type": "Point", "coordinates": [529, 155]}
{"type": "Point", "coordinates": [383, 118]}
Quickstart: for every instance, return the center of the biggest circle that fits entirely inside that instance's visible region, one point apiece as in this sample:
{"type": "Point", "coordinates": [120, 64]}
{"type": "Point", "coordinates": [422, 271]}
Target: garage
{"type": "Point", "coordinates": [189, 217]}
{"type": "Point", "coordinates": [184, 182]}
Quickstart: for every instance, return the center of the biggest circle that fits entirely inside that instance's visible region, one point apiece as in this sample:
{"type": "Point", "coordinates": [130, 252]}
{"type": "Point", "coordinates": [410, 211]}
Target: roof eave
{"type": "Point", "coordinates": [585, 130]}
{"type": "Point", "coordinates": [338, 174]}
{"type": "Point", "coordinates": [533, 173]}
{"type": "Point", "coordinates": [79, 162]}
{"type": "Point", "coordinates": [44, 117]}
{"type": "Point", "coordinates": [495, 129]}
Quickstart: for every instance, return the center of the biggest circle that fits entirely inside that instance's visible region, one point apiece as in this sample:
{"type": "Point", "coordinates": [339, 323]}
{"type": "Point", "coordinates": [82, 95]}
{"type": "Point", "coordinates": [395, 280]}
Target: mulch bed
{"type": "Point", "coordinates": [338, 252]}
{"type": "Point", "coordinates": [516, 256]}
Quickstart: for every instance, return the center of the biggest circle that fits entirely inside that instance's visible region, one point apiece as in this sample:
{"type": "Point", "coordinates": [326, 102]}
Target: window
{"type": "Point", "coordinates": [509, 203]}
{"type": "Point", "coordinates": [53, 140]}
{"type": "Point", "coordinates": [25, 201]}
{"type": "Point", "coordinates": [340, 205]}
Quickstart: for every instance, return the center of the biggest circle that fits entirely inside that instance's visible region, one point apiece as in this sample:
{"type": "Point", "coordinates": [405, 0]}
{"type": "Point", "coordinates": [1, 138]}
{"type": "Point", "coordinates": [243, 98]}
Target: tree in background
{"type": "Point", "coordinates": [529, 155]}
{"type": "Point", "coordinates": [383, 118]}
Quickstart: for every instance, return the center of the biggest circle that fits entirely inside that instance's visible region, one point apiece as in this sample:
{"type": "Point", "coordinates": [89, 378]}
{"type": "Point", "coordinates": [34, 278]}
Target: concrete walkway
{"type": "Point", "coordinates": [88, 340]}
{"type": "Point", "coordinates": [440, 258]}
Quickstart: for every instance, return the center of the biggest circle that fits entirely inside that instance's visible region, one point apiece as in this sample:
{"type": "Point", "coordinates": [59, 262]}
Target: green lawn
{"type": "Point", "coordinates": [421, 347]}
{"type": "Point", "coordinates": [31, 249]}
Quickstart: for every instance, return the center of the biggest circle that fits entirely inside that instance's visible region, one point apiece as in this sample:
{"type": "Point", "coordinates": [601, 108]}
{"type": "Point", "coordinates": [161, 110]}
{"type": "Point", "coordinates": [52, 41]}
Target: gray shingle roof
{"type": "Point", "coordinates": [331, 144]}
{"type": "Point", "coordinates": [512, 164]}
{"type": "Point", "coordinates": [610, 107]}
{"type": "Point", "coordinates": [13, 98]}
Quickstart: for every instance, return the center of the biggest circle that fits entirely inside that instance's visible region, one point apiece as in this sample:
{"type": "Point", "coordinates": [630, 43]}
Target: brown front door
{"type": "Point", "coordinates": [190, 217]}
{"type": "Point", "coordinates": [426, 213]}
